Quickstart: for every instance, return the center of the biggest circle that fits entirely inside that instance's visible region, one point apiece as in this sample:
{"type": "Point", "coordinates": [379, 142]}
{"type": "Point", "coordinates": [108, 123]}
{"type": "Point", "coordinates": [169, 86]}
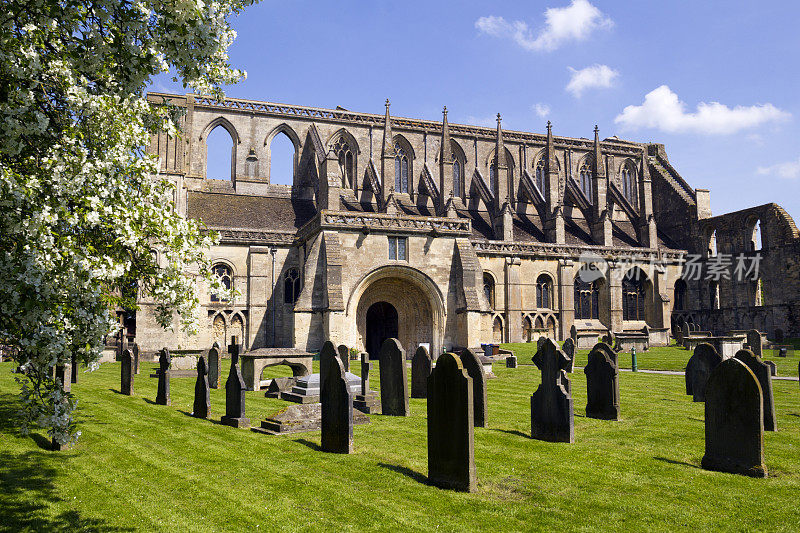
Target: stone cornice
{"type": "Point", "coordinates": [245, 236]}
{"type": "Point", "coordinates": [383, 223]}
{"type": "Point", "coordinates": [550, 250]}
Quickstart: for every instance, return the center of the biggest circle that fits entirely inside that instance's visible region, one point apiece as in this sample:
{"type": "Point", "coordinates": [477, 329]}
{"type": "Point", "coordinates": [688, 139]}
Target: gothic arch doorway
{"type": "Point", "coordinates": [382, 324]}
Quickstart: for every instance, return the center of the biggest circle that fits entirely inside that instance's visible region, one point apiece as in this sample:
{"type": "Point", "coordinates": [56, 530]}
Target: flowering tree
{"type": "Point", "coordinates": [82, 215]}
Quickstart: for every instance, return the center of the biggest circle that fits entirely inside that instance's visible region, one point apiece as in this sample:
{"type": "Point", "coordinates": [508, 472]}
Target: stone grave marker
{"type": "Point", "coordinates": [235, 391]}
{"type": "Point", "coordinates": [573, 333]}
{"type": "Point", "coordinates": [704, 359]}
{"type": "Point", "coordinates": [552, 418]}
{"type": "Point", "coordinates": [394, 380]}
{"type": "Point", "coordinates": [602, 383]}
{"type": "Point", "coordinates": [511, 361]}
{"type": "Point", "coordinates": [337, 410]}
{"type": "Point", "coordinates": [344, 355]}
{"type": "Point", "coordinates": [679, 334]}
{"type": "Point", "coordinates": [127, 373]}
{"type": "Point", "coordinates": [136, 358]}
{"type": "Point", "coordinates": [686, 331]}
{"type": "Point", "coordinates": [367, 400]}
{"type": "Point", "coordinates": [773, 368]}
{"type": "Point", "coordinates": [164, 364]}
{"type": "Point", "coordinates": [472, 364]}
{"type": "Point", "coordinates": [326, 353]}
{"type": "Point", "coordinates": [451, 455]}
{"type": "Point", "coordinates": [64, 373]}
{"type": "Point", "coordinates": [734, 425]}
{"type": "Point", "coordinates": [202, 391]}
{"type": "Point", "coordinates": [214, 366]}
{"type": "Point", "coordinates": [762, 371]}
{"type": "Point", "coordinates": [755, 341]}
{"type": "Point", "coordinates": [420, 370]}
{"type": "Point", "coordinates": [73, 369]}
{"type": "Point", "coordinates": [569, 350]}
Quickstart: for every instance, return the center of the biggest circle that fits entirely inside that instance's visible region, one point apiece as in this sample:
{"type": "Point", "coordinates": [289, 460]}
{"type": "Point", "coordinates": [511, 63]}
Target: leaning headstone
{"type": "Point", "coordinates": [704, 359]}
{"type": "Point", "coordinates": [755, 341]}
{"type": "Point", "coordinates": [602, 383]}
{"type": "Point", "coordinates": [734, 421]}
{"type": "Point", "coordinates": [74, 369]}
{"type": "Point", "coordinates": [472, 364]}
{"type": "Point", "coordinates": [164, 364]}
{"type": "Point", "coordinates": [394, 380]}
{"type": "Point", "coordinates": [214, 366]}
{"type": "Point", "coordinates": [344, 355]}
{"type": "Point", "coordinates": [234, 392]}
{"type": "Point", "coordinates": [127, 373]}
{"type": "Point", "coordinates": [451, 453]}
{"type": "Point", "coordinates": [552, 418]}
{"type": "Point", "coordinates": [569, 350]}
{"type": "Point", "coordinates": [420, 370]}
{"type": "Point", "coordinates": [135, 357]}
{"type": "Point", "coordinates": [511, 361]}
{"type": "Point", "coordinates": [202, 392]}
{"type": "Point", "coordinates": [761, 370]}
{"type": "Point", "coordinates": [337, 410]}
{"type": "Point", "coordinates": [773, 368]}
{"type": "Point", "coordinates": [327, 353]}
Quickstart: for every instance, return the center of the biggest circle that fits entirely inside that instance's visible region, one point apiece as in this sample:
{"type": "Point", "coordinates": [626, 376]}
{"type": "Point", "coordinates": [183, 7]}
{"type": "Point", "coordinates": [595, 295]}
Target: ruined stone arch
{"type": "Point", "coordinates": [219, 329]}
{"type": "Point", "coordinates": [293, 138]}
{"type": "Point", "coordinates": [231, 129]}
{"type": "Point", "coordinates": [752, 237]}
{"type": "Point", "coordinates": [498, 328]}
{"type": "Point", "coordinates": [709, 234]}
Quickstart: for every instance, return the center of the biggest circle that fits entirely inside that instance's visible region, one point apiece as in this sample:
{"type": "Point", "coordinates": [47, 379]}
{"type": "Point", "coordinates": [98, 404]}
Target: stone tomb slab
{"type": "Point", "coordinates": [255, 361]}
{"type": "Point", "coordinates": [300, 418]}
{"type": "Point", "coordinates": [308, 388]}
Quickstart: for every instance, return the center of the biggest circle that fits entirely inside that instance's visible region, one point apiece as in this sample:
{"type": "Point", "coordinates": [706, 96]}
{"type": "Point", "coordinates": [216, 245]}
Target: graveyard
{"type": "Point", "coordinates": [144, 466]}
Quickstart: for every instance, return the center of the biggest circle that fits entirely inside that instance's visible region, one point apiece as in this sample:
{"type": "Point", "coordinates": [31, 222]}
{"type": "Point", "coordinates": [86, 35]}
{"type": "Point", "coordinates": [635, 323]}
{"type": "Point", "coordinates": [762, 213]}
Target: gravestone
{"type": "Point", "coordinates": [394, 380]}
{"type": "Point", "coordinates": [64, 373]}
{"type": "Point", "coordinates": [420, 370]}
{"type": "Point", "coordinates": [234, 392]}
{"type": "Point", "coordinates": [686, 330]}
{"type": "Point", "coordinates": [337, 410]}
{"type": "Point", "coordinates": [734, 421]}
{"type": "Point", "coordinates": [761, 370]}
{"type": "Point", "coordinates": [569, 350]}
{"type": "Point", "coordinates": [127, 373]}
{"type": "Point", "coordinates": [214, 366]}
{"type": "Point", "coordinates": [755, 341]}
{"type": "Point", "coordinates": [73, 378]}
{"type": "Point", "coordinates": [540, 341]}
{"type": "Point", "coordinates": [704, 359]}
{"type": "Point", "coordinates": [573, 333]}
{"type": "Point", "coordinates": [511, 361]}
{"type": "Point", "coordinates": [327, 353]}
{"type": "Point", "coordinates": [608, 338]}
{"type": "Point", "coordinates": [367, 400]}
{"type": "Point", "coordinates": [773, 368]}
{"type": "Point", "coordinates": [344, 355]}
{"type": "Point", "coordinates": [551, 405]}
{"type": "Point", "coordinates": [472, 364]}
{"type": "Point", "coordinates": [202, 392]}
{"type": "Point", "coordinates": [164, 364]}
{"type": "Point", "coordinates": [679, 334]}
{"type": "Point", "coordinates": [782, 352]}
{"type": "Point", "coordinates": [451, 452]}
{"type": "Point", "coordinates": [135, 358]}
{"type": "Point", "coordinates": [602, 383]}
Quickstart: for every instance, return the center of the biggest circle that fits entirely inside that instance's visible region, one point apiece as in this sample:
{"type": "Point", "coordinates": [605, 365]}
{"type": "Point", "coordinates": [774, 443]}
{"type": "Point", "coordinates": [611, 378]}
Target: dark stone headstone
{"type": "Point", "coordinates": [164, 364]}
{"type": "Point", "coordinates": [394, 381]}
{"type": "Point", "coordinates": [773, 368]}
{"type": "Point", "coordinates": [327, 353]}
{"type": "Point", "coordinates": [344, 355]}
{"type": "Point", "coordinates": [214, 367]}
{"type": "Point", "coordinates": [472, 364]}
{"type": "Point", "coordinates": [511, 361]}
{"type": "Point", "coordinates": [135, 358]}
{"type": "Point", "coordinates": [64, 374]}
{"type": "Point", "coordinates": [73, 369]}
{"type": "Point", "coordinates": [540, 341]}
{"type": "Point", "coordinates": [763, 373]}
{"type": "Point", "coordinates": [234, 392]}
{"type": "Point", "coordinates": [451, 455]}
{"type": "Point", "coordinates": [686, 331]}
{"type": "Point", "coordinates": [755, 341]}
{"type": "Point", "coordinates": [602, 383]}
{"type": "Point", "coordinates": [552, 418]}
{"type": "Point", "coordinates": [127, 373]}
{"type": "Point", "coordinates": [202, 392]}
{"type": "Point", "coordinates": [337, 410]}
{"type": "Point", "coordinates": [420, 370]}
{"type": "Point", "coordinates": [573, 333]}
{"type": "Point", "coordinates": [734, 421]}
{"type": "Point", "coordinates": [367, 400]}
{"type": "Point", "coordinates": [782, 352]}
{"type": "Point", "coordinates": [704, 359]}
{"type": "Point", "coordinates": [569, 350]}
{"type": "Point", "coordinates": [679, 333]}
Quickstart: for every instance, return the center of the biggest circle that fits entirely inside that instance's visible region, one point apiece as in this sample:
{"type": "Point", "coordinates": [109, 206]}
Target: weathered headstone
{"type": "Point", "coordinates": [763, 374]}
{"type": "Point", "coordinates": [755, 341]}
{"type": "Point", "coordinates": [573, 333]}
{"type": "Point", "coordinates": [704, 359]}
{"type": "Point", "coordinates": [451, 455]}
{"type": "Point", "coordinates": [569, 350]}
{"type": "Point", "coordinates": [552, 418]}
{"type": "Point", "coordinates": [773, 368]}
{"type": "Point", "coordinates": [472, 364]}
{"type": "Point", "coordinates": [394, 380]}
{"type": "Point", "coordinates": [327, 353]}
{"type": "Point", "coordinates": [214, 366]}
{"type": "Point", "coordinates": [540, 341]}
{"type": "Point", "coordinates": [734, 421]}
{"type": "Point", "coordinates": [367, 401]}
{"type": "Point", "coordinates": [135, 357]}
{"type": "Point", "coordinates": [602, 383]}
{"type": "Point", "coordinates": [686, 330]}
{"type": "Point", "coordinates": [344, 355]}
{"type": "Point", "coordinates": [782, 352]}
{"type": "Point", "coordinates": [679, 333]}
{"type": "Point", "coordinates": [164, 364]}
{"type": "Point", "coordinates": [202, 392]}
{"type": "Point", "coordinates": [420, 370]}
{"type": "Point", "coordinates": [511, 361]}
{"type": "Point", "coordinates": [73, 371]}
{"type": "Point", "coordinates": [337, 410]}
{"type": "Point", "coordinates": [64, 373]}
{"type": "Point", "coordinates": [234, 392]}
{"type": "Point", "coordinates": [127, 373]}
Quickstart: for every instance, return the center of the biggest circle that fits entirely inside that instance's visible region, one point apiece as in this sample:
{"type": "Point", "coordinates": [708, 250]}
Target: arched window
{"type": "Point", "coordinates": [488, 289]}
{"type": "Point", "coordinates": [400, 169]}
{"type": "Point", "coordinates": [633, 294]}
{"type": "Point", "coordinates": [755, 236]}
{"type": "Point", "coordinates": [344, 153]}
{"type": "Point", "coordinates": [713, 295]}
{"type": "Point", "coordinates": [291, 286]}
{"type": "Point", "coordinates": [680, 295]}
{"type": "Point", "coordinates": [281, 159]}
{"type": "Point", "coordinates": [540, 175]}
{"type": "Point", "coordinates": [586, 181]}
{"type": "Point", "coordinates": [629, 184]}
{"type": "Point", "coordinates": [757, 289]}
{"type": "Point", "coordinates": [587, 299]}
{"type": "Point", "coordinates": [225, 275]}
{"type": "Point", "coordinates": [711, 242]}
{"type": "Point", "coordinates": [497, 330]}
{"type": "Point", "coordinates": [544, 292]}
{"type": "Point", "coordinates": [492, 176]}
{"type": "Point", "coordinates": [527, 329]}
{"type": "Point", "coordinates": [457, 188]}
{"type": "Point", "coordinates": [220, 154]}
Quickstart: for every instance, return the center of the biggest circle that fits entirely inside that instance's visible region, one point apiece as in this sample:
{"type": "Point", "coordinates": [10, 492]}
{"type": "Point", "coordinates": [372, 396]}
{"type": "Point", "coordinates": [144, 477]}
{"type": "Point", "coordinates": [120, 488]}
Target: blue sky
{"type": "Point", "coordinates": [638, 69]}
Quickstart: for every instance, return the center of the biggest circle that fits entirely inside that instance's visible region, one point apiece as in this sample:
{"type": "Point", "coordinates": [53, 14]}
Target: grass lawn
{"type": "Point", "coordinates": [140, 466]}
{"type": "Point", "coordinates": [671, 357]}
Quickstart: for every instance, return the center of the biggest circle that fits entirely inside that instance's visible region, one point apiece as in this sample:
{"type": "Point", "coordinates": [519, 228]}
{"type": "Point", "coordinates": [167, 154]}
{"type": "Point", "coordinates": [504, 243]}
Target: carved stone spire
{"type": "Point", "coordinates": [598, 154]}
{"type": "Point", "coordinates": [447, 150]}
{"type": "Point", "coordinates": [388, 138]}
{"type": "Point", "coordinates": [554, 223]}
{"type": "Point", "coordinates": [500, 149]}
{"type": "Point", "coordinates": [387, 157]}
{"type": "Point", "coordinates": [601, 221]}
{"type": "Point", "coordinates": [446, 181]}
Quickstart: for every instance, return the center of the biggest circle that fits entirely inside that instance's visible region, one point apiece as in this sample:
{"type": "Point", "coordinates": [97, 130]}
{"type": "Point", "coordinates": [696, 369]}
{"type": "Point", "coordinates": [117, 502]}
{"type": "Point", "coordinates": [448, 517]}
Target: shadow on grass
{"type": "Point", "coordinates": [313, 445]}
{"type": "Point", "coordinates": [674, 462]}
{"type": "Point", "coordinates": [515, 432]}
{"type": "Point", "coordinates": [416, 476]}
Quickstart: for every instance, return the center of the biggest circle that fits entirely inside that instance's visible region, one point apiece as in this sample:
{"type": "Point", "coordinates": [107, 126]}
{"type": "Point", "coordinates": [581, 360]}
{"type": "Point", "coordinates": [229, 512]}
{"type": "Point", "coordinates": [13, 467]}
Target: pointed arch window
{"type": "Point", "coordinates": [488, 289]}
{"type": "Point", "coordinates": [585, 174]}
{"type": "Point", "coordinates": [633, 295]}
{"type": "Point", "coordinates": [587, 299]}
{"type": "Point", "coordinates": [544, 292]}
{"type": "Point", "coordinates": [344, 153]}
{"type": "Point", "coordinates": [291, 286]}
{"type": "Point", "coordinates": [457, 177]}
{"type": "Point", "coordinates": [492, 176]}
{"type": "Point", "coordinates": [225, 275]}
{"type": "Point", "coordinates": [400, 169]}
{"type": "Point", "coordinates": [680, 295]}
{"type": "Point", "coordinates": [629, 184]}
{"type": "Point", "coordinates": [540, 173]}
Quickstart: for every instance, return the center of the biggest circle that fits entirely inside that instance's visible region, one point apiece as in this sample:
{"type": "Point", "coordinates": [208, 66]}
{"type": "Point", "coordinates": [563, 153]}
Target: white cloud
{"type": "Point", "coordinates": [542, 110]}
{"type": "Point", "coordinates": [482, 121]}
{"type": "Point", "coordinates": [787, 170]}
{"type": "Point", "coordinates": [663, 110]}
{"type": "Point", "coordinates": [596, 76]}
{"type": "Point", "coordinates": [574, 22]}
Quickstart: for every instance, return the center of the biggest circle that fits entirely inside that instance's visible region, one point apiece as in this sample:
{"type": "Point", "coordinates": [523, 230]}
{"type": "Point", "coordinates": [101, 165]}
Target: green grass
{"type": "Point", "coordinates": [141, 466]}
